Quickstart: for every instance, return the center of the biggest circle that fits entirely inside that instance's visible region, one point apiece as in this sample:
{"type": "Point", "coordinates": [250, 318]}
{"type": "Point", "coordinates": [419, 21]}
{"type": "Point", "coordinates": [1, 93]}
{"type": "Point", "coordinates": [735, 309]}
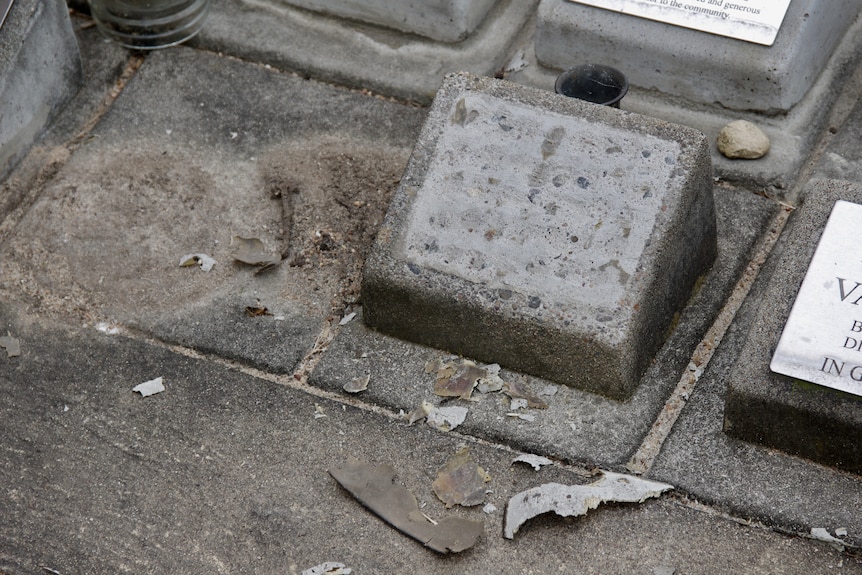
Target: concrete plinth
{"type": "Point", "coordinates": [549, 235]}
{"type": "Point", "coordinates": [40, 71]}
{"type": "Point", "coordinates": [779, 411]}
{"type": "Point", "coordinates": [700, 67]}
{"type": "Point", "coordinates": [441, 20]}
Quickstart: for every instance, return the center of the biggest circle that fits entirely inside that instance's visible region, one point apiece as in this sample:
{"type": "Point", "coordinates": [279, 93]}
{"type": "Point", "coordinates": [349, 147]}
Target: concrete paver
{"type": "Point", "coordinates": [225, 472]}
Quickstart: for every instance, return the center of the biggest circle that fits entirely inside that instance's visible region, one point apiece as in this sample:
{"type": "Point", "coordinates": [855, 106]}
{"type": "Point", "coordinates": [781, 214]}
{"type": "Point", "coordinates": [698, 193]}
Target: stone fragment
{"type": "Point", "coordinates": [743, 140]}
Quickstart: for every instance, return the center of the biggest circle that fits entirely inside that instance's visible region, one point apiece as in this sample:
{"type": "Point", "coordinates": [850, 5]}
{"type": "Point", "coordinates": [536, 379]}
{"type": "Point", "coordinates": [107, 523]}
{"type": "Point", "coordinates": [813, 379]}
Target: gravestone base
{"type": "Point", "coordinates": [40, 71]}
{"type": "Point", "coordinates": [440, 20]}
{"type": "Point", "coordinates": [779, 411]}
{"type": "Point", "coordinates": [689, 100]}
{"type": "Point", "coordinates": [549, 235]}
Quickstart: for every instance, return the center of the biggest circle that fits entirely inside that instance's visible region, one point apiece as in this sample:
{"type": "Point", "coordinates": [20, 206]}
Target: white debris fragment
{"type": "Point", "coordinates": [149, 388]}
{"type": "Point", "coordinates": [518, 62]}
{"type": "Point", "coordinates": [233, 135]}
{"type": "Point", "coordinates": [574, 500]}
{"type": "Point", "coordinates": [489, 508]}
{"type": "Point", "coordinates": [357, 384]}
{"type": "Point", "coordinates": [108, 328]}
{"type": "Point", "coordinates": [204, 261]}
{"type": "Point", "coordinates": [420, 412]}
{"type": "Point", "coordinates": [821, 534]}
{"type": "Point", "coordinates": [492, 382]}
{"type": "Point", "coordinates": [537, 461]}
{"type": "Point", "coordinates": [328, 568]}
{"type": "Point", "coordinates": [549, 390]}
{"type": "Point", "coordinates": [347, 319]}
{"type": "Point", "coordinates": [518, 403]}
{"type": "Point", "coordinates": [11, 345]}
{"type": "Point", "coordinates": [318, 412]}
{"type": "Point", "coordinates": [447, 418]}
{"type": "Point", "coordinates": [523, 416]}
{"type": "Point", "coordinates": [841, 532]}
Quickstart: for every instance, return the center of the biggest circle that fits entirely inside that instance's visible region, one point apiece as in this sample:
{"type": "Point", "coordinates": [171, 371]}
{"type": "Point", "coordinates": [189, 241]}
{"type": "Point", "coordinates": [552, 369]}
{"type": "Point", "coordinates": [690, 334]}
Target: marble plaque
{"type": "Point", "coordinates": [822, 339]}
{"type": "Point", "coordinates": [755, 21]}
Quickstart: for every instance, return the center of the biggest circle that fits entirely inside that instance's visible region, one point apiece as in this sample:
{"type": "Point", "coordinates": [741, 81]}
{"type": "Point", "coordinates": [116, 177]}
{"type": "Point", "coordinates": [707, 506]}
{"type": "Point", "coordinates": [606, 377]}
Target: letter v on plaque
{"type": "Point", "coordinates": [821, 341]}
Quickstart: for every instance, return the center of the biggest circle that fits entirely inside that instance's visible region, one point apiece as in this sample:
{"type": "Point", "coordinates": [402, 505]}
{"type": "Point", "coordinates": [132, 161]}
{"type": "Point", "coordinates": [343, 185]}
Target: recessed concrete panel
{"type": "Point", "coordinates": [695, 65]}
{"type": "Point", "coordinates": [787, 413]}
{"type": "Point", "coordinates": [40, 70]}
{"type": "Point", "coordinates": [441, 20]}
{"type": "Point", "coordinates": [549, 235]}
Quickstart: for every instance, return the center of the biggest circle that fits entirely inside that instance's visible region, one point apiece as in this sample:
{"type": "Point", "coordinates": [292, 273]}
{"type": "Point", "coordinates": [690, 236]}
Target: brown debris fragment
{"type": "Point", "coordinates": [374, 488]}
{"type": "Point", "coordinates": [461, 481]}
{"type": "Point", "coordinates": [519, 390]}
{"type": "Point", "coordinates": [461, 382]}
{"type": "Point", "coordinates": [251, 251]}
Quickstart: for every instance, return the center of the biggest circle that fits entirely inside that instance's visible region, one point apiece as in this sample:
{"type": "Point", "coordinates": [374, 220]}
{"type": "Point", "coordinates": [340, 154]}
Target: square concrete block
{"type": "Point", "coordinates": [789, 414]}
{"type": "Point", "coordinates": [441, 20]}
{"type": "Point", "coordinates": [701, 67]}
{"type": "Point", "coordinates": [549, 235]}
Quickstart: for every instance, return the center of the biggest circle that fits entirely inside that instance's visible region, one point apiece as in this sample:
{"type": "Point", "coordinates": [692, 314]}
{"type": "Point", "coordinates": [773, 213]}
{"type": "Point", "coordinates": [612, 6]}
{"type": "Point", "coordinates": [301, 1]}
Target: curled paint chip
{"type": "Point", "coordinates": [574, 500]}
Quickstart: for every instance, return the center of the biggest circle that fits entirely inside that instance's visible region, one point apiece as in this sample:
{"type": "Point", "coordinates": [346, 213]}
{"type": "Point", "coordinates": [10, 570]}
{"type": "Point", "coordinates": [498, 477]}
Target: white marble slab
{"type": "Point", "coordinates": [822, 339]}
{"type": "Point", "coordinates": [756, 21]}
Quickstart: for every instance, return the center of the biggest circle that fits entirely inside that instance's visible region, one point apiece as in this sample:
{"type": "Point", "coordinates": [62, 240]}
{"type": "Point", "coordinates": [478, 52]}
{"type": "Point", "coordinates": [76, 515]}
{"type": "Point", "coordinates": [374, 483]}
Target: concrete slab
{"type": "Point", "coordinates": [224, 471]}
{"type": "Point", "coordinates": [197, 149]}
{"type": "Point", "coordinates": [441, 20]}
{"type": "Point", "coordinates": [353, 54]}
{"type": "Point", "coordinates": [745, 479]}
{"type": "Point", "coordinates": [779, 411]}
{"type": "Point", "coordinates": [577, 426]}
{"type": "Point", "coordinates": [842, 159]}
{"type": "Point", "coordinates": [40, 71]}
{"type": "Point", "coordinates": [548, 235]}
{"type": "Point", "coordinates": [792, 135]}
{"type": "Point", "coordinates": [693, 65]}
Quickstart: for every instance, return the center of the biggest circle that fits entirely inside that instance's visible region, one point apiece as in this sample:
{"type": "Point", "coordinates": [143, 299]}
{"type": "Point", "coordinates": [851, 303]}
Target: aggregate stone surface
{"type": "Point", "coordinates": [577, 426]}
{"type": "Point", "coordinates": [199, 149]}
{"type": "Point", "coordinates": [223, 472]}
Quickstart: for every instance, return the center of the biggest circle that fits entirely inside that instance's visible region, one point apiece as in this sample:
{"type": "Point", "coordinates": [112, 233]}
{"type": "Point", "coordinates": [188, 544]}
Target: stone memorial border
{"type": "Point", "coordinates": [764, 407]}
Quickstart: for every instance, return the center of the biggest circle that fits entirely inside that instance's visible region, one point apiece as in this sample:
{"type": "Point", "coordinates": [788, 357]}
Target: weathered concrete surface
{"type": "Point", "coordinates": [364, 56]}
{"type": "Point", "coordinates": [577, 426]}
{"type": "Point", "coordinates": [694, 65]}
{"type": "Point", "coordinates": [40, 71]}
{"type": "Point", "coordinates": [441, 20]}
{"type": "Point", "coordinates": [548, 235]}
{"type": "Point", "coordinates": [224, 473]}
{"type": "Point", "coordinates": [775, 410]}
{"type": "Point", "coordinates": [205, 160]}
